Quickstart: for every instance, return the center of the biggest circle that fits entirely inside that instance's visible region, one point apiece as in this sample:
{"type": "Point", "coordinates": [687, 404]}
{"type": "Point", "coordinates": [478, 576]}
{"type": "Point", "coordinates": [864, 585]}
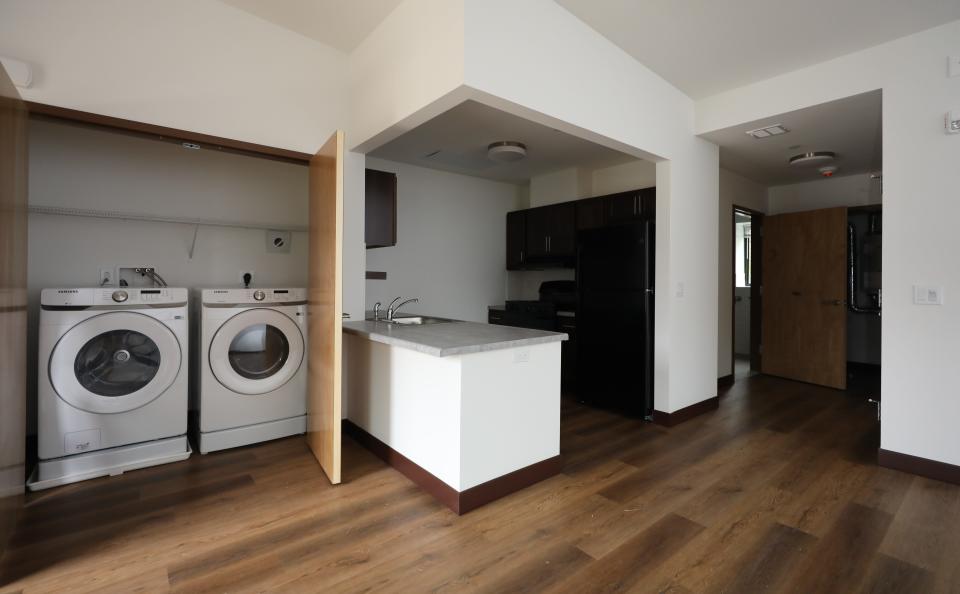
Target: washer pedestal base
{"type": "Point", "coordinates": [113, 461]}
{"type": "Point", "coordinates": [212, 441]}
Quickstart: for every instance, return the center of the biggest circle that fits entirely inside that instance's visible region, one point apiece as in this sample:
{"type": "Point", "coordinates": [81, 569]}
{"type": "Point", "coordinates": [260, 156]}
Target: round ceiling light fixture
{"type": "Point", "coordinates": [506, 151]}
{"type": "Point", "coordinates": [813, 158]}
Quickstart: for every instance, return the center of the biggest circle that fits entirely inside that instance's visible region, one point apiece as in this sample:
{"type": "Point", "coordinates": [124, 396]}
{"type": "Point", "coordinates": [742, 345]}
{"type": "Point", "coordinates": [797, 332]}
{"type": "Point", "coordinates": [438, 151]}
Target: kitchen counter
{"type": "Point", "coordinates": [451, 338]}
{"type": "Point", "coordinates": [468, 411]}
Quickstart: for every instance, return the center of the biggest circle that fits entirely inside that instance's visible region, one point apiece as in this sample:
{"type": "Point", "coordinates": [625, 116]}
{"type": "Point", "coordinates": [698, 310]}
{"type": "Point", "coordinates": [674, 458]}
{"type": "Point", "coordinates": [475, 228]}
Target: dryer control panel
{"type": "Point", "coordinates": [124, 296]}
{"type": "Point", "coordinates": [254, 296]}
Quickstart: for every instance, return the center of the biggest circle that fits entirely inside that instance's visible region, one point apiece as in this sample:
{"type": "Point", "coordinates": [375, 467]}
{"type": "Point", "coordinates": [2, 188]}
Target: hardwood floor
{"type": "Point", "coordinates": [777, 491]}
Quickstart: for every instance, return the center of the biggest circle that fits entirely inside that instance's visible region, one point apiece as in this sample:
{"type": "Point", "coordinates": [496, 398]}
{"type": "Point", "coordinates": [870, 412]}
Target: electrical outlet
{"type": "Point", "coordinates": [243, 278]}
{"type": "Point", "coordinates": [105, 278]}
{"type": "Point", "coordinates": [522, 356]}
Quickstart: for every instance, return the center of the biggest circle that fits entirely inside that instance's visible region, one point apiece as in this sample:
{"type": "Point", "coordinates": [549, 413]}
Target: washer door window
{"type": "Point", "coordinates": [256, 351]}
{"type": "Point", "coordinates": [114, 362]}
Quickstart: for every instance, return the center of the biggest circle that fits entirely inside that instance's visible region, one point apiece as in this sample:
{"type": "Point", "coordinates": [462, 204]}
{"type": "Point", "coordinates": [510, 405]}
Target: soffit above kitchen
{"type": "Point", "coordinates": [704, 47]}
{"type": "Point", "coordinates": [341, 24]}
{"type": "Point", "coordinates": [850, 127]}
{"type": "Point", "coordinates": [458, 139]}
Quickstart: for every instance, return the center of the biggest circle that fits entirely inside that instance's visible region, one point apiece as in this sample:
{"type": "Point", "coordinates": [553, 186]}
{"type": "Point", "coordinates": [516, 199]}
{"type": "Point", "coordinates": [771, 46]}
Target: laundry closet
{"type": "Point", "coordinates": [127, 213]}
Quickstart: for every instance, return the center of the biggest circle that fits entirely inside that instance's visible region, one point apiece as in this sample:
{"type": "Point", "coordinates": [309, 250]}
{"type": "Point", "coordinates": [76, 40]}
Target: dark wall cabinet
{"type": "Point", "coordinates": [381, 209]}
{"type": "Point", "coordinates": [551, 234]}
{"type": "Point", "coordinates": [516, 239]}
{"type": "Point", "coordinates": [547, 235]}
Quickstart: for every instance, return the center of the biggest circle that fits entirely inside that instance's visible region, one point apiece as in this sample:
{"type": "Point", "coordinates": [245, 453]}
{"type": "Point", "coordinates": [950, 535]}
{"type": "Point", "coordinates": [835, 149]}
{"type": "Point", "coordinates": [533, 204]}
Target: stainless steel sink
{"type": "Point", "coordinates": [418, 321]}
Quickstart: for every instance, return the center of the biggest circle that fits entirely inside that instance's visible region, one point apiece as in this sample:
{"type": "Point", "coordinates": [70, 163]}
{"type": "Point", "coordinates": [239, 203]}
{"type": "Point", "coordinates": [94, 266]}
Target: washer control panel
{"type": "Point", "coordinates": [253, 296]}
{"type": "Point", "coordinates": [127, 296]}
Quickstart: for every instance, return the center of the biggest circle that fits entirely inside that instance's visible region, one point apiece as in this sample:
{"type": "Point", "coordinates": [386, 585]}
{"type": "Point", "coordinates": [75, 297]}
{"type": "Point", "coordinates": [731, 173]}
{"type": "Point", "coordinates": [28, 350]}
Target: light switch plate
{"type": "Point", "coordinates": [927, 295]}
{"type": "Point", "coordinates": [953, 69]}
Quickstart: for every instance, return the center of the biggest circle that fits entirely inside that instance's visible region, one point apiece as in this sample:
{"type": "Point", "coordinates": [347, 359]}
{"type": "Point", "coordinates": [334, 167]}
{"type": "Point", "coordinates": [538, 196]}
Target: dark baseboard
{"type": "Point", "coordinates": [725, 381]}
{"type": "Point", "coordinates": [687, 413]}
{"type": "Point", "coordinates": [460, 502]}
{"type": "Point", "coordinates": [940, 471]}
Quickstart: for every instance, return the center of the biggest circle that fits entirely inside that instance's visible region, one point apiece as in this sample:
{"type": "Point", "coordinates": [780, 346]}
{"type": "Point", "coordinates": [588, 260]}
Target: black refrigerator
{"type": "Point", "coordinates": [615, 317]}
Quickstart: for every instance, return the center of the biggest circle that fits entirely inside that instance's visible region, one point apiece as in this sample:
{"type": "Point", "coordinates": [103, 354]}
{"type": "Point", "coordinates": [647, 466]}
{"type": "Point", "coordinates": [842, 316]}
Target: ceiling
{"type": "Point", "coordinates": [851, 127]}
{"type": "Point", "coordinates": [342, 24]}
{"type": "Point", "coordinates": [704, 46]}
{"type": "Point", "coordinates": [462, 134]}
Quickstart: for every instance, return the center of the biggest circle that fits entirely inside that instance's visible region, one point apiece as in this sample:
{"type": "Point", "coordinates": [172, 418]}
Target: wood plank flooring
{"type": "Point", "coordinates": [777, 491]}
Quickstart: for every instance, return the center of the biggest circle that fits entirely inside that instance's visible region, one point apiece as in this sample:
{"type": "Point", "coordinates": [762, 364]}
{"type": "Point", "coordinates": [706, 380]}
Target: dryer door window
{"type": "Point", "coordinates": [117, 363]}
{"type": "Point", "coordinates": [256, 351]}
{"type": "Point", "coordinates": [114, 362]}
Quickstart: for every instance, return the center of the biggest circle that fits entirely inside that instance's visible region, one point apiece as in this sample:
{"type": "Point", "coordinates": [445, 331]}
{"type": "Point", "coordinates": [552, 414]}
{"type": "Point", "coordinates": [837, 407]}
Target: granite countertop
{"type": "Point", "coordinates": [451, 338]}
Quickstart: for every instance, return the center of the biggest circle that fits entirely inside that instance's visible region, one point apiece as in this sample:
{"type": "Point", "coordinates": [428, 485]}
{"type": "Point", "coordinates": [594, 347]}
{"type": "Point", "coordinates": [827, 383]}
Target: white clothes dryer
{"type": "Point", "coordinates": [253, 366]}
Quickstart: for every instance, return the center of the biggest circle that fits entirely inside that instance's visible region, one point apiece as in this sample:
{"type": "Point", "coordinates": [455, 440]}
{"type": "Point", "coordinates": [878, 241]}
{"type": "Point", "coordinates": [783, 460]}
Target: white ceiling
{"type": "Point", "coordinates": [706, 46]}
{"type": "Point", "coordinates": [463, 133]}
{"type": "Point", "coordinates": [850, 127]}
{"type": "Point", "coordinates": [342, 24]}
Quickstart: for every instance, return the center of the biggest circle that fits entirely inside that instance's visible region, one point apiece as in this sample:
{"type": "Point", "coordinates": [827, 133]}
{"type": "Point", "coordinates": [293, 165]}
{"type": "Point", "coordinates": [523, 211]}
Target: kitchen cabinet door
{"type": "Point", "coordinates": [516, 239]}
{"type": "Point", "coordinates": [539, 222]}
{"type": "Point", "coordinates": [380, 214]}
{"type": "Point", "coordinates": [589, 213]}
{"type": "Point", "coordinates": [562, 242]}
{"type": "Point", "coordinates": [622, 208]}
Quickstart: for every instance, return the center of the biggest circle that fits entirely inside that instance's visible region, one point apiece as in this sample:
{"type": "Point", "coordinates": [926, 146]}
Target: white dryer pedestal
{"type": "Point", "coordinates": [211, 441]}
{"type": "Point", "coordinates": [109, 462]}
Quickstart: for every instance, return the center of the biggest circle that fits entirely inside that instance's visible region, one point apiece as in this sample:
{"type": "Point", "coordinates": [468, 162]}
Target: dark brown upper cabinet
{"type": "Point", "coordinates": [381, 209]}
{"type": "Point", "coordinates": [589, 213]}
{"type": "Point", "coordinates": [551, 234]}
{"type": "Point", "coordinates": [516, 239]}
{"type": "Point", "coordinates": [622, 208]}
{"type": "Point", "coordinates": [546, 236]}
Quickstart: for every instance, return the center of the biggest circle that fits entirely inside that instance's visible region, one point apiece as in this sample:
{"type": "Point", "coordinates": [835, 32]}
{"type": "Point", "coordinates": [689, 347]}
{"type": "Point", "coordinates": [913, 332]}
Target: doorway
{"type": "Point", "coordinates": [747, 291]}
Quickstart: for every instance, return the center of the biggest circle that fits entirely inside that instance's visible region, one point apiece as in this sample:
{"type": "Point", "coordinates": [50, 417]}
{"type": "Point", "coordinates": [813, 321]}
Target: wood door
{"type": "Point", "coordinates": [804, 307]}
{"type": "Point", "coordinates": [13, 303]}
{"type": "Point", "coordinates": [325, 305]}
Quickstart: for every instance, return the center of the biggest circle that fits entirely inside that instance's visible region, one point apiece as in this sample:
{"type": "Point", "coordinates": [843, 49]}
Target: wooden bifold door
{"type": "Point", "coordinates": [804, 296]}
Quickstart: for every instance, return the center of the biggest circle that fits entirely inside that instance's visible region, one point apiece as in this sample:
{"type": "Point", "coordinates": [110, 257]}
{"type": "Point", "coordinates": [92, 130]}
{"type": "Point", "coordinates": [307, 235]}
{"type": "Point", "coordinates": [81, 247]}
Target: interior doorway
{"type": "Point", "coordinates": [747, 291]}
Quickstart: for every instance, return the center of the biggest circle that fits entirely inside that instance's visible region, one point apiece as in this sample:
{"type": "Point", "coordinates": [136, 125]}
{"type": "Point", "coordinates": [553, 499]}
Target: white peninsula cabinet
{"type": "Point", "coordinates": [470, 412]}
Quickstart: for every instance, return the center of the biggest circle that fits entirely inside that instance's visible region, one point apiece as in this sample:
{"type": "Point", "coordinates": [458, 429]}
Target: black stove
{"type": "Point", "coordinates": [557, 298]}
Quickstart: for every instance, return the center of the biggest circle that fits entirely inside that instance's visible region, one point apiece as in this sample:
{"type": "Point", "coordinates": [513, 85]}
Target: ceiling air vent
{"type": "Point", "coordinates": [768, 131]}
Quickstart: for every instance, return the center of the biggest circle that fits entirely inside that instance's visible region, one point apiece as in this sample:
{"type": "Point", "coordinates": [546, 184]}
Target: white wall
{"type": "Point", "coordinates": [188, 64]}
{"type": "Point", "coordinates": [79, 167]}
{"type": "Point", "coordinates": [919, 343]}
{"type": "Point", "coordinates": [451, 241]}
{"type": "Point", "coordinates": [741, 191]}
{"type": "Point", "coordinates": [850, 190]}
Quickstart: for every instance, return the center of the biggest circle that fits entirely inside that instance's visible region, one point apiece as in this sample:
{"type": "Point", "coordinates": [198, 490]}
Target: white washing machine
{"type": "Point", "coordinates": [112, 382]}
{"type": "Point", "coordinates": [253, 366]}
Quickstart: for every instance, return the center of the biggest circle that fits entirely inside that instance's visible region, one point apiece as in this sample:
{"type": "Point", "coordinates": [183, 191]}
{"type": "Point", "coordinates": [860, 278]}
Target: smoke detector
{"type": "Point", "coordinates": [814, 158]}
{"type": "Point", "coordinates": [506, 151]}
{"type": "Point", "coordinates": [828, 170]}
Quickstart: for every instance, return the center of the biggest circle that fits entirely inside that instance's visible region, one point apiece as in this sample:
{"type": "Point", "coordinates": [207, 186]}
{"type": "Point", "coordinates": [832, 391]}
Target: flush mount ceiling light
{"type": "Point", "coordinates": [814, 158]}
{"type": "Point", "coordinates": [768, 131]}
{"type": "Point", "coordinates": [506, 151]}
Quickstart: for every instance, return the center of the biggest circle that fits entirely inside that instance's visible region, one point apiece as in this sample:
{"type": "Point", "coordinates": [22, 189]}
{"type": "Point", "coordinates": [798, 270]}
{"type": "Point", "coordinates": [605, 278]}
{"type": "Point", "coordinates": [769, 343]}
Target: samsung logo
{"type": "Point", "coordinates": [61, 291]}
{"type": "Point", "coordinates": [221, 292]}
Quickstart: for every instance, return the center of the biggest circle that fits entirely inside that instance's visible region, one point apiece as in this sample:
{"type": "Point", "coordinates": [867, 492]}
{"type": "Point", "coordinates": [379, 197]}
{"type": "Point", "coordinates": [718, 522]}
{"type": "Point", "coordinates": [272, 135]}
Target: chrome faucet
{"type": "Point", "coordinates": [376, 311]}
{"type": "Point", "coordinates": [391, 311]}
